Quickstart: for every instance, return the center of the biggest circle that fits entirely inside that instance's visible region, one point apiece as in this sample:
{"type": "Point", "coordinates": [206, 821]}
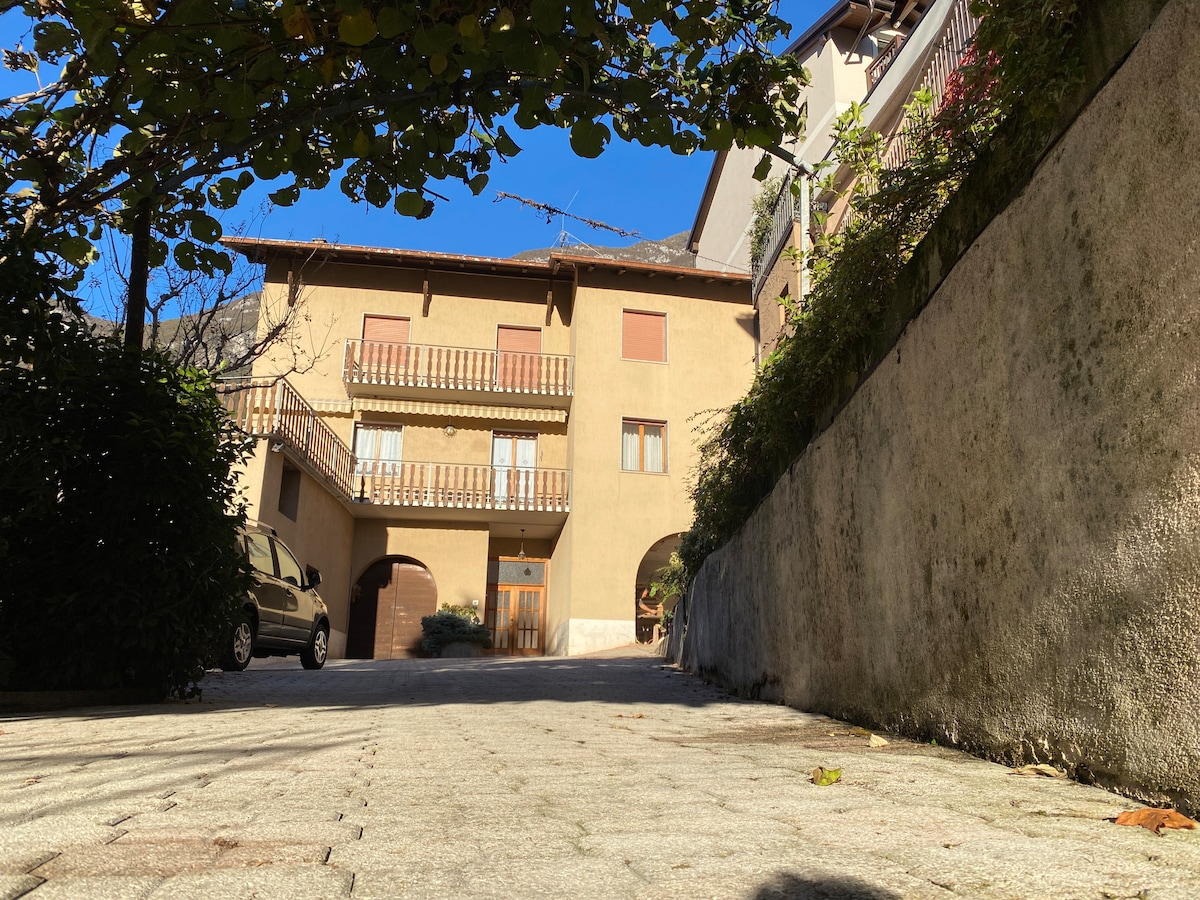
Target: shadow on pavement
{"type": "Point", "coordinates": [797, 887]}
{"type": "Point", "coordinates": [366, 684]}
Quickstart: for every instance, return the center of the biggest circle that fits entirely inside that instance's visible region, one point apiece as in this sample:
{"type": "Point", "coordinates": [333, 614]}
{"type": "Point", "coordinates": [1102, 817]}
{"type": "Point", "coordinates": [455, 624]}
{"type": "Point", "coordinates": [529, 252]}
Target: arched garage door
{"type": "Point", "coordinates": [385, 613]}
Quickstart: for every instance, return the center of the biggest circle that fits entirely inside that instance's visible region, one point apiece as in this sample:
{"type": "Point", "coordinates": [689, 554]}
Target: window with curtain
{"type": "Point", "coordinates": [377, 449]}
{"type": "Point", "coordinates": [643, 446]}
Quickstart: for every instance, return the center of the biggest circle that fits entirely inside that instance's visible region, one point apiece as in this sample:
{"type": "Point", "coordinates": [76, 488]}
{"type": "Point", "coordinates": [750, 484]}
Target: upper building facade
{"type": "Point", "coordinates": [512, 436]}
{"type": "Point", "coordinates": [876, 53]}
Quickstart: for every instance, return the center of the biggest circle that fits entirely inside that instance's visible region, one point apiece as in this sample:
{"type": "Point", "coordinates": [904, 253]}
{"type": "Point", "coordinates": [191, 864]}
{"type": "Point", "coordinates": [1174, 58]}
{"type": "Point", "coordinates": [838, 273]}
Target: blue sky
{"type": "Point", "coordinates": [634, 188]}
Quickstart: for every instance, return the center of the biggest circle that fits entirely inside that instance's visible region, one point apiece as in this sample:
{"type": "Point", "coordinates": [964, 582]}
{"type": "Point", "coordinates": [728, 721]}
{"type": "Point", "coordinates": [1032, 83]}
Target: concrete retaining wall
{"type": "Point", "coordinates": [997, 541]}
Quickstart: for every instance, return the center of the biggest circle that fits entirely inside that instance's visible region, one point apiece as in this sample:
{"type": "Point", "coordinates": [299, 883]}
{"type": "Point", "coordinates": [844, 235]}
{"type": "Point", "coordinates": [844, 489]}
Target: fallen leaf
{"type": "Point", "coordinates": [1155, 819]}
{"type": "Point", "coordinates": [877, 741]}
{"type": "Point", "coordinates": [1040, 769]}
{"type": "Point", "coordinates": [824, 777]}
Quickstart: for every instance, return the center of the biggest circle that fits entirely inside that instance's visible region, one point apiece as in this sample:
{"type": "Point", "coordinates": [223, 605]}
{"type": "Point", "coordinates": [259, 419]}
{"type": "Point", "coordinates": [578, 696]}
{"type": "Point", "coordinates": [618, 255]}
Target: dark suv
{"type": "Point", "coordinates": [283, 613]}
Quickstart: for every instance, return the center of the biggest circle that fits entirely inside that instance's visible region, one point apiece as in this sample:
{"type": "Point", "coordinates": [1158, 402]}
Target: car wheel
{"type": "Point", "coordinates": [240, 648]}
{"type": "Point", "coordinates": [313, 656]}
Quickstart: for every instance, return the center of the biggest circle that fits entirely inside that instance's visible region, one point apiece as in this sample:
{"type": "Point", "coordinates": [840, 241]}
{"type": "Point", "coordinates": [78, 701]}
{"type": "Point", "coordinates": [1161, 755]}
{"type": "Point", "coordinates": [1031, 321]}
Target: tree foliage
{"type": "Point", "coordinates": [189, 102]}
{"type": "Point", "coordinates": [117, 512]}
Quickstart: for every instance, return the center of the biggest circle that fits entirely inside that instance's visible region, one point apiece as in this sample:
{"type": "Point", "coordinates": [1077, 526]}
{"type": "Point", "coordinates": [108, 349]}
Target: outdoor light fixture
{"type": "Point", "coordinates": [521, 553]}
{"type": "Point", "coordinates": [451, 431]}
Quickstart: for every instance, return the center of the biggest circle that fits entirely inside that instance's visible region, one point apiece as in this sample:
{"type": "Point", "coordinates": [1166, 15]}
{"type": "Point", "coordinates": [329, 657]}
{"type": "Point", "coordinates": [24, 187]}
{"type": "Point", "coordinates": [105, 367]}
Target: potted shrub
{"type": "Point", "coordinates": [454, 631]}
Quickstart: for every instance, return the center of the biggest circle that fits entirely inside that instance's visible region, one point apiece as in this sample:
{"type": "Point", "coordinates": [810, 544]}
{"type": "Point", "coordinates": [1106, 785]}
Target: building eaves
{"type": "Point", "coordinates": [263, 249]}
{"type": "Point", "coordinates": [706, 199]}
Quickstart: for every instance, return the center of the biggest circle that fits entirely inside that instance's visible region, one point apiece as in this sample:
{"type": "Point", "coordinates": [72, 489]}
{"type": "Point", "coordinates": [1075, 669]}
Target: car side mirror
{"type": "Point", "coordinates": [314, 577]}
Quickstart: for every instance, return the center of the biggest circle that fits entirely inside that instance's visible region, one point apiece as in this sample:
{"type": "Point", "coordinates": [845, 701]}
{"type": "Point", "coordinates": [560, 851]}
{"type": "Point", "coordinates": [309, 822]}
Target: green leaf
{"type": "Point", "coordinates": [824, 777]}
{"type": "Point", "coordinates": [547, 15]}
{"type": "Point", "coordinates": [505, 145]}
{"type": "Point", "coordinates": [588, 138]}
{"type": "Point", "coordinates": [503, 21]}
{"type": "Point", "coordinates": [77, 251]}
{"type": "Point", "coordinates": [391, 22]}
{"type": "Point", "coordinates": [478, 183]}
{"type": "Point", "coordinates": [362, 143]}
{"type": "Point", "coordinates": [409, 203]}
{"type": "Point", "coordinates": [185, 256]}
{"type": "Point", "coordinates": [358, 29]}
{"type": "Point", "coordinates": [204, 228]}
{"type": "Point", "coordinates": [285, 196]}
{"type": "Point", "coordinates": [763, 170]}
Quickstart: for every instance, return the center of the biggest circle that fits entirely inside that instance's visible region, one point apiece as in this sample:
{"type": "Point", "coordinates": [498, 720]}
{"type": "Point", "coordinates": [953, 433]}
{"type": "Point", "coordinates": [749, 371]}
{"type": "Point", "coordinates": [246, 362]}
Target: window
{"type": "Point", "coordinates": [377, 449]}
{"type": "Point", "coordinates": [514, 465]}
{"type": "Point", "coordinates": [643, 446]}
{"type": "Point", "coordinates": [385, 329]}
{"type": "Point", "coordinates": [258, 551]}
{"type": "Point", "coordinates": [518, 355]}
{"type": "Point", "coordinates": [289, 491]}
{"type": "Point", "coordinates": [289, 569]}
{"type": "Point", "coordinates": [385, 350]}
{"type": "Point", "coordinates": [643, 335]}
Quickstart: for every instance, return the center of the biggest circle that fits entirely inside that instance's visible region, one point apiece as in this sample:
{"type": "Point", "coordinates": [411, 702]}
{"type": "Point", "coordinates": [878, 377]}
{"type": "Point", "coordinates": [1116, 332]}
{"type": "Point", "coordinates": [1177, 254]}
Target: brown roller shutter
{"type": "Point", "coordinates": [518, 364]}
{"type": "Point", "coordinates": [386, 329]}
{"type": "Point", "coordinates": [643, 336]}
{"type": "Point", "coordinates": [385, 349]}
{"type": "Point", "coordinates": [518, 340]}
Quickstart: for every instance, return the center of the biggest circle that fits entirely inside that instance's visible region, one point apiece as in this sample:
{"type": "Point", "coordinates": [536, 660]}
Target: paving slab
{"type": "Point", "coordinates": [605, 776]}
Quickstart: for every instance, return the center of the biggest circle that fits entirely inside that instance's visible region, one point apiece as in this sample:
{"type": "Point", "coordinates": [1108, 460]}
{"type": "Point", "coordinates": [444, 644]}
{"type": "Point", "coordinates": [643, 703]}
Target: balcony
{"type": "Point", "coordinates": [457, 374]}
{"type": "Point", "coordinates": [883, 61]}
{"type": "Point", "coordinates": [787, 212]}
{"type": "Point", "coordinates": [445, 486]}
{"type": "Point", "coordinates": [273, 409]}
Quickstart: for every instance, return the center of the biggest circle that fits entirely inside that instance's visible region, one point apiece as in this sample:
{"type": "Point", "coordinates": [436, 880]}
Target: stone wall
{"type": "Point", "coordinates": [996, 542]}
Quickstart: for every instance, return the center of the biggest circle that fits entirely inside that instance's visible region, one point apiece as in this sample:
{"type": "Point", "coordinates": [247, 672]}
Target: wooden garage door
{"type": "Point", "coordinates": [400, 592]}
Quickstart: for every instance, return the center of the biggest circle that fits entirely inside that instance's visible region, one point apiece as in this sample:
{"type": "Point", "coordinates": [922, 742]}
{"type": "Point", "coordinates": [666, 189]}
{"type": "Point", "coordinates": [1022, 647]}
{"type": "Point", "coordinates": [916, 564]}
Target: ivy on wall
{"type": "Point", "coordinates": [1005, 97]}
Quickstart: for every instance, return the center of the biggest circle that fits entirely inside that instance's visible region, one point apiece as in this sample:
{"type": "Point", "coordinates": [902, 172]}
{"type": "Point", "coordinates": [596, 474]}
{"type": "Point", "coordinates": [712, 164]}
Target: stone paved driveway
{"type": "Point", "coordinates": [597, 777]}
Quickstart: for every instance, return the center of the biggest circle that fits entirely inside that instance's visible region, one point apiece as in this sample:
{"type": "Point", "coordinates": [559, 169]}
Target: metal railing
{"type": "Point", "coordinates": [457, 368]}
{"type": "Point", "coordinates": [787, 212]}
{"type": "Point", "coordinates": [273, 409]}
{"type": "Point", "coordinates": [456, 486]}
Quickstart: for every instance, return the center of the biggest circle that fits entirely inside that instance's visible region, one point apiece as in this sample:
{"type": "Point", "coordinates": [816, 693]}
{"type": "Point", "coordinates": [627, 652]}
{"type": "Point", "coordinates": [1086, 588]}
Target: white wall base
{"type": "Point", "coordinates": [591, 635]}
{"type": "Point", "coordinates": [337, 644]}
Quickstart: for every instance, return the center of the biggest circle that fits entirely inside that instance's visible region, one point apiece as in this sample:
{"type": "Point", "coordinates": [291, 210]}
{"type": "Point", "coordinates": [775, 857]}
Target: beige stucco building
{"type": "Point", "coordinates": [877, 54]}
{"type": "Point", "coordinates": [512, 436]}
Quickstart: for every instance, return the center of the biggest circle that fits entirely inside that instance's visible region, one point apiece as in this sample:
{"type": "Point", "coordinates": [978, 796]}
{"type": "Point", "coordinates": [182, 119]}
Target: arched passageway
{"type": "Point", "coordinates": [386, 607]}
{"type": "Point", "coordinates": [649, 610]}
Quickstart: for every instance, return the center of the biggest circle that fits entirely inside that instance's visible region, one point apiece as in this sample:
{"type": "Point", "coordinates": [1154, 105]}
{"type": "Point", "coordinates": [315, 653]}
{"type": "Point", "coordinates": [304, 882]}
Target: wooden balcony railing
{"type": "Point", "coordinates": [457, 368]}
{"type": "Point", "coordinates": [272, 408]}
{"type": "Point", "coordinates": [953, 44]}
{"type": "Point", "coordinates": [450, 486]}
{"type": "Point", "coordinates": [950, 48]}
{"type": "Point", "coordinates": [884, 60]}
